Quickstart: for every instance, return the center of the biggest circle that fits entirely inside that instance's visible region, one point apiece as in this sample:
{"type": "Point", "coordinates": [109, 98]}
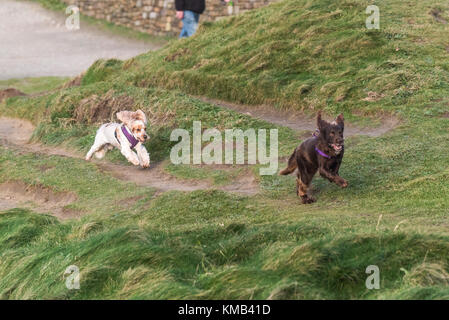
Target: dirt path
{"type": "Point", "coordinates": [298, 121]}
{"type": "Point", "coordinates": [38, 198]}
{"type": "Point", "coordinates": [36, 43]}
{"type": "Point", "coordinates": [16, 133]}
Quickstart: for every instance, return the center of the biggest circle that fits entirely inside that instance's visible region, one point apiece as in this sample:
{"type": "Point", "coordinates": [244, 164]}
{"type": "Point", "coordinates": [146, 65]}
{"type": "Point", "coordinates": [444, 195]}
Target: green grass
{"type": "Point", "coordinates": [33, 85]}
{"type": "Point", "coordinates": [210, 244]}
{"type": "Point", "coordinates": [217, 176]}
{"type": "Point", "coordinates": [308, 55]}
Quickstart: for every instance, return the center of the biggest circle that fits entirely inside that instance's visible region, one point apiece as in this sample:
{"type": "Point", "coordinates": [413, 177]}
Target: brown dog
{"type": "Point", "coordinates": [323, 152]}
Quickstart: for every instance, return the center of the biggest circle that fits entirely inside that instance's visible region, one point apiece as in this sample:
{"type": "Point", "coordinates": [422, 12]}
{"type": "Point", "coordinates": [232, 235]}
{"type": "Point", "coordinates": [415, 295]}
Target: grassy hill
{"type": "Point", "coordinates": [296, 55]}
{"type": "Point", "coordinates": [308, 55]}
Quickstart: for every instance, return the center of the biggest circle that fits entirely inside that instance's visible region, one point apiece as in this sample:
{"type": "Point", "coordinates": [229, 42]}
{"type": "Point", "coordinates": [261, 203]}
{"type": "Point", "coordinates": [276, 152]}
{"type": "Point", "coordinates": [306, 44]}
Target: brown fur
{"type": "Point", "coordinates": [309, 161]}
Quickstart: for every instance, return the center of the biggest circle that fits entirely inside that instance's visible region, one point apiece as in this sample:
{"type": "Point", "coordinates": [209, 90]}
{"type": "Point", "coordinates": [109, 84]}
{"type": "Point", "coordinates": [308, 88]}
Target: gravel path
{"type": "Point", "coordinates": [34, 42]}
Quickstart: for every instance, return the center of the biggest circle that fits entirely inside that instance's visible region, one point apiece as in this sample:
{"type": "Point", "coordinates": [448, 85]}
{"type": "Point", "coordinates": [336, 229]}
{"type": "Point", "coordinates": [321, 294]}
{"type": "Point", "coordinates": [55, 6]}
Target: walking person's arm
{"type": "Point", "coordinates": [179, 5]}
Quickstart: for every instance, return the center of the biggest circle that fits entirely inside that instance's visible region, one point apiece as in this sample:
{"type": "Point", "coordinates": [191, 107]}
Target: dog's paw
{"type": "Point", "coordinates": [145, 163]}
{"type": "Point", "coordinates": [311, 200]}
{"type": "Point", "coordinates": [307, 199]}
{"type": "Point", "coordinates": [341, 182]}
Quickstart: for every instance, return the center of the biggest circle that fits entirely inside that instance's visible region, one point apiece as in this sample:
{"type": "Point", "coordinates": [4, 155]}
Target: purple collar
{"type": "Point", "coordinates": [322, 153]}
{"type": "Point", "coordinates": [130, 137]}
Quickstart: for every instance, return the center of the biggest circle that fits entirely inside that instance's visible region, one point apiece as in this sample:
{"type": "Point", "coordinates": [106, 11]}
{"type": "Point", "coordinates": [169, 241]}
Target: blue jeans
{"type": "Point", "coordinates": [189, 23]}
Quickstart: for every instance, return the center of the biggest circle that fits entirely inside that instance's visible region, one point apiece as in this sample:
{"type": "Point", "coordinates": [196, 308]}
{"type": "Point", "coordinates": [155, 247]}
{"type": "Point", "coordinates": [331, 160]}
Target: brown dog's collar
{"type": "Point", "coordinates": [321, 153]}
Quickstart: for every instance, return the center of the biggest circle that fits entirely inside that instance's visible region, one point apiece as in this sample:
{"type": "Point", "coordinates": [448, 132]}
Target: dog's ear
{"type": "Point", "coordinates": [340, 120]}
{"type": "Point", "coordinates": [125, 116]}
{"type": "Point", "coordinates": [320, 122]}
{"type": "Point", "coordinates": [140, 115]}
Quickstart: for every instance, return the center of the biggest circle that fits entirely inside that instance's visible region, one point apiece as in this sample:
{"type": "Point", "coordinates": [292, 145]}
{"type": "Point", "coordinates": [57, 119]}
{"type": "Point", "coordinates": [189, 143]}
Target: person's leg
{"type": "Point", "coordinates": [183, 33]}
{"type": "Point", "coordinates": [196, 18]}
{"type": "Point", "coordinates": [189, 23]}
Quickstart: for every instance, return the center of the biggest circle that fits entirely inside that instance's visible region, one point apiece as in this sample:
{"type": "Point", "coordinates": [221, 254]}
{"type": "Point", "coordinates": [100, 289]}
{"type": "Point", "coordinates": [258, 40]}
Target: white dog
{"type": "Point", "coordinates": [127, 136]}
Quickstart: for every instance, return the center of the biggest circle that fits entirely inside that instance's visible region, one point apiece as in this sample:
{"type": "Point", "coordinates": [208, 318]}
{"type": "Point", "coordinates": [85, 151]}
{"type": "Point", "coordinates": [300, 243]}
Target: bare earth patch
{"type": "Point", "coordinates": [75, 82]}
{"type": "Point", "coordinates": [299, 121]}
{"type": "Point", "coordinates": [96, 109]}
{"type": "Point", "coordinates": [16, 133]}
{"type": "Point", "coordinates": [40, 199]}
{"type": "Point", "coordinates": [436, 14]}
{"type": "Point", "coordinates": [9, 93]}
{"type": "Point", "coordinates": [244, 184]}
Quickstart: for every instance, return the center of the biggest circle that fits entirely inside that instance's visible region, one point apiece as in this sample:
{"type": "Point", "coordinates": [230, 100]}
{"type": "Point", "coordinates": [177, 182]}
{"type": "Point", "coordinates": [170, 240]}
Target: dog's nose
{"type": "Point", "coordinates": [145, 137]}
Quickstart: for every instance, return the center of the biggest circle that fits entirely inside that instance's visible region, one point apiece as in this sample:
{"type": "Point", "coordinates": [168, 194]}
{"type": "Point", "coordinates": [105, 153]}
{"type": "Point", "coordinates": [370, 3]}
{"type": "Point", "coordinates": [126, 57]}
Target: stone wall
{"type": "Point", "coordinates": [157, 16]}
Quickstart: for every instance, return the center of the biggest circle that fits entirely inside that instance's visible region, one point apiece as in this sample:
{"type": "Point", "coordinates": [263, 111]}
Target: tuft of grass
{"type": "Point", "coordinates": [100, 70]}
{"type": "Point", "coordinates": [427, 274]}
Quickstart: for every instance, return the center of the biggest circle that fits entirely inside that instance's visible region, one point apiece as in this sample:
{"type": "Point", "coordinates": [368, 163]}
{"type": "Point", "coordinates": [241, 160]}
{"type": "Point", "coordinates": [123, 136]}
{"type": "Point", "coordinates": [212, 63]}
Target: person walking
{"type": "Point", "coordinates": [189, 11]}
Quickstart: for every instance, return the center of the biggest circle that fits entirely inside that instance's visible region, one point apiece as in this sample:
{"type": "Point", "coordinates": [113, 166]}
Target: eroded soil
{"type": "Point", "coordinates": [39, 198]}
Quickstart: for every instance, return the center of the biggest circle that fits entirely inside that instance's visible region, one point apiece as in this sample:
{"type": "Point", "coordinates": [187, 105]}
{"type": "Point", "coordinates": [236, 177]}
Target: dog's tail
{"type": "Point", "coordinates": [292, 165]}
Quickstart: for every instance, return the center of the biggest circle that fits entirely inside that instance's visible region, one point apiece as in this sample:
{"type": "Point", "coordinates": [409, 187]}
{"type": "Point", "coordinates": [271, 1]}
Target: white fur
{"type": "Point", "coordinates": [105, 140]}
